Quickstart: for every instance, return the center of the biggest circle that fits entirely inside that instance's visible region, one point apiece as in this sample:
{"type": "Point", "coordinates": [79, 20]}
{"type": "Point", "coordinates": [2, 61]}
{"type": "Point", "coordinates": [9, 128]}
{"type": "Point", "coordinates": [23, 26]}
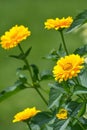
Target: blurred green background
{"type": "Point", "coordinates": [31, 13]}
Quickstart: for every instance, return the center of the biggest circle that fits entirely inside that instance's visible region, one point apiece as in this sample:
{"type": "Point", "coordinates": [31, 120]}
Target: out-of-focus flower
{"type": "Point", "coordinates": [14, 36]}
{"type": "Point", "coordinates": [68, 67]}
{"type": "Point", "coordinates": [62, 114]}
{"type": "Point", "coordinates": [25, 114]}
{"type": "Point", "coordinates": [58, 23]}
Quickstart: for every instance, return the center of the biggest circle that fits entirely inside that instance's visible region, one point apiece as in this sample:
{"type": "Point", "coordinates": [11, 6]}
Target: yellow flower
{"type": "Point", "coordinates": [58, 23]}
{"type": "Point", "coordinates": [14, 36]}
{"type": "Point", "coordinates": [68, 67]}
{"type": "Point", "coordinates": [62, 114]}
{"type": "Point", "coordinates": [25, 114]}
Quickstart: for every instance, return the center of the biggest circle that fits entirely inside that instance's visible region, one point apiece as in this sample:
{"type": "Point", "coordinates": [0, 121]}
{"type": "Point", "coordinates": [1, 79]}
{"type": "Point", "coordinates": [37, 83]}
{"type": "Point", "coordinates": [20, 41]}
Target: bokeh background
{"type": "Point", "coordinates": [31, 13]}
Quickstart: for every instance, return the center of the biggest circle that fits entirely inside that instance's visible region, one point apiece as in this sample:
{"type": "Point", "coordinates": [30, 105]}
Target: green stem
{"type": "Point", "coordinates": [41, 95]}
{"type": "Point", "coordinates": [29, 126]}
{"type": "Point", "coordinates": [26, 62]}
{"type": "Point", "coordinates": [61, 33]}
{"type": "Point", "coordinates": [28, 66]}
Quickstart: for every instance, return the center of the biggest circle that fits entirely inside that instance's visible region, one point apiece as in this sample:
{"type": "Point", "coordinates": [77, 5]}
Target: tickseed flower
{"type": "Point", "coordinates": [14, 36]}
{"type": "Point", "coordinates": [58, 23]}
{"type": "Point", "coordinates": [62, 114]}
{"type": "Point", "coordinates": [68, 67]}
{"type": "Point", "coordinates": [25, 114]}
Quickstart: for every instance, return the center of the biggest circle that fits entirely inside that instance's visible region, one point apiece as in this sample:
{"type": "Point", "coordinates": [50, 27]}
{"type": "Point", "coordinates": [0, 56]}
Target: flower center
{"type": "Point", "coordinates": [67, 66]}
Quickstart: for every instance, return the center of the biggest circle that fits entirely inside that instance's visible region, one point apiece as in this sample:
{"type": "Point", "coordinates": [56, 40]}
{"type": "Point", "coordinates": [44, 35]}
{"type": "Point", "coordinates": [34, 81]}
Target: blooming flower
{"type": "Point", "coordinates": [62, 114]}
{"type": "Point", "coordinates": [14, 36]}
{"type": "Point", "coordinates": [25, 114]}
{"type": "Point", "coordinates": [68, 67]}
{"type": "Point", "coordinates": [58, 23]}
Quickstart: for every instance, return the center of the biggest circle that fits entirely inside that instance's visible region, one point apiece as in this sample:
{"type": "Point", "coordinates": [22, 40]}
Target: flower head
{"type": "Point", "coordinates": [68, 67]}
{"type": "Point", "coordinates": [25, 114]}
{"type": "Point", "coordinates": [62, 114]}
{"type": "Point", "coordinates": [14, 36]}
{"type": "Point", "coordinates": [58, 23]}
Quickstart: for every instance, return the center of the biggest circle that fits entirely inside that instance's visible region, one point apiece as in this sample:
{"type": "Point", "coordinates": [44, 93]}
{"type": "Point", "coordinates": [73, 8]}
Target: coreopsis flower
{"type": "Point", "coordinates": [14, 36]}
{"type": "Point", "coordinates": [62, 114]}
{"type": "Point", "coordinates": [68, 67]}
{"type": "Point", "coordinates": [58, 23]}
{"type": "Point", "coordinates": [25, 114]}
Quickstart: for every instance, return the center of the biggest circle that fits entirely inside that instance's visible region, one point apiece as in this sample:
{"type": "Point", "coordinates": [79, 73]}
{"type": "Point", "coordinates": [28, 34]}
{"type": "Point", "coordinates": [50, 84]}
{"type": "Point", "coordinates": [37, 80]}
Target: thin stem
{"type": "Point", "coordinates": [26, 62]}
{"type": "Point", "coordinates": [28, 125]}
{"type": "Point", "coordinates": [61, 33]}
{"type": "Point", "coordinates": [28, 66]}
{"type": "Point", "coordinates": [41, 96]}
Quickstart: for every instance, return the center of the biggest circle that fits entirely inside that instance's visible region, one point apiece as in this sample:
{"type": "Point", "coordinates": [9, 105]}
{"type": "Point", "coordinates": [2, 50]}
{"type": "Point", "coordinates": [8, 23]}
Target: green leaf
{"type": "Point", "coordinates": [35, 72]}
{"type": "Point", "coordinates": [27, 52]}
{"type": "Point", "coordinates": [18, 86]}
{"type": "Point", "coordinates": [61, 124]}
{"type": "Point", "coordinates": [60, 52]}
{"type": "Point", "coordinates": [22, 56]}
{"type": "Point", "coordinates": [55, 97]}
{"type": "Point", "coordinates": [21, 69]}
{"type": "Point", "coordinates": [35, 127]}
{"type": "Point", "coordinates": [77, 127]}
{"type": "Point", "coordinates": [52, 55]}
{"type": "Point", "coordinates": [47, 74]}
{"type": "Point", "coordinates": [83, 120]}
{"type": "Point", "coordinates": [82, 110]}
{"type": "Point", "coordinates": [83, 78]}
{"type": "Point", "coordinates": [46, 127]}
{"type": "Point", "coordinates": [56, 54]}
{"type": "Point", "coordinates": [42, 118]}
{"type": "Point", "coordinates": [80, 91]}
{"type": "Point", "coordinates": [78, 21]}
{"type": "Point", "coordinates": [74, 107]}
{"type": "Point", "coordinates": [81, 51]}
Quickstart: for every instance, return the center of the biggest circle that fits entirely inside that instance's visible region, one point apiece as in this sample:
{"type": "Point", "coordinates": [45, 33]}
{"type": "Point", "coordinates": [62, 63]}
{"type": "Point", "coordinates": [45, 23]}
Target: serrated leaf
{"type": "Point", "coordinates": [80, 19]}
